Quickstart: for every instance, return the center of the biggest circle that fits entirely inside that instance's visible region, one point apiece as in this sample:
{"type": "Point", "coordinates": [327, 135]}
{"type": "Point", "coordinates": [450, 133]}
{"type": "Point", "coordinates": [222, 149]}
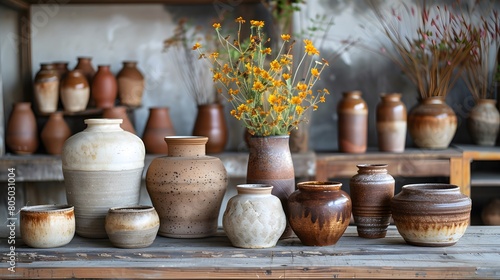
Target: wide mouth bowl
{"type": "Point", "coordinates": [48, 208]}
{"type": "Point", "coordinates": [133, 208]}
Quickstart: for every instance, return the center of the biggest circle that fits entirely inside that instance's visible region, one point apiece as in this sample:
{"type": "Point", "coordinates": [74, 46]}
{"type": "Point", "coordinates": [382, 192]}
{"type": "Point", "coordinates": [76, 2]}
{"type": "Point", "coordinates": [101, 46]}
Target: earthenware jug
{"type": "Point", "coordinates": [104, 87]}
{"type": "Point", "coordinates": [352, 123]}
{"type": "Point", "coordinates": [391, 123]}
{"type": "Point", "coordinates": [158, 125]}
{"type": "Point", "coordinates": [130, 84]}
{"type": "Point", "coordinates": [210, 122]}
{"type": "Point", "coordinates": [46, 88]}
{"type": "Point", "coordinates": [84, 64]}
{"type": "Point", "coordinates": [75, 92]}
{"type": "Point", "coordinates": [21, 136]}
{"type": "Point", "coordinates": [54, 133]}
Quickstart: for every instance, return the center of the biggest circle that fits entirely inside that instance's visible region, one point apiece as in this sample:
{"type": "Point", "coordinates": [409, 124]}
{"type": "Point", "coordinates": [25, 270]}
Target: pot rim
{"type": "Point", "coordinates": [317, 185]}
{"type": "Point", "coordinates": [254, 188]}
{"type": "Point", "coordinates": [434, 187]}
{"type": "Point", "coordinates": [374, 165]}
{"type": "Point", "coordinates": [47, 208]}
{"type": "Point", "coordinates": [131, 208]}
{"type": "Point", "coordinates": [103, 121]}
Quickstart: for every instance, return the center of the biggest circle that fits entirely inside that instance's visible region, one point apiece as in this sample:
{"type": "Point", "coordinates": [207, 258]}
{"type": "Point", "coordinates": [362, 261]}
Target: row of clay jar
{"type": "Point", "coordinates": [83, 85]}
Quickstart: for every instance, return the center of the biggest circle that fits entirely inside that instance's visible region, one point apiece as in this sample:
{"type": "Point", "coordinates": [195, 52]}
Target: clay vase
{"type": "Point", "coordinates": [254, 218]}
{"type": "Point", "coordinates": [102, 168]}
{"type": "Point", "coordinates": [132, 226]}
{"type": "Point", "coordinates": [270, 162]}
{"type": "Point", "coordinates": [21, 136]}
{"type": "Point", "coordinates": [490, 215]}
{"type": "Point", "coordinates": [85, 66]}
{"type": "Point", "coordinates": [319, 212]}
{"type": "Point", "coordinates": [484, 122]}
{"type": "Point", "coordinates": [353, 123]}
{"type": "Point", "coordinates": [431, 214]}
{"type": "Point", "coordinates": [75, 92]}
{"type": "Point", "coordinates": [54, 133]}
{"type": "Point", "coordinates": [157, 127]}
{"type": "Point", "coordinates": [119, 112]}
{"type": "Point", "coordinates": [187, 188]}
{"type": "Point", "coordinates": [432, 123]}
{"type": "Point", "coordinates": [210, 122]}
{"type": "Point", "coordinates": [104, 87]}
{"type": "Point", "coordinates": [61, 68]}
{"type": "Point", "coordinates": [371, 192]}
{"type": "Point", "coordinates": [130, 84]}
{"type": "Point", "coordinates": [391, 123]}
{"type": "Point", "coordinates": [46, 88]}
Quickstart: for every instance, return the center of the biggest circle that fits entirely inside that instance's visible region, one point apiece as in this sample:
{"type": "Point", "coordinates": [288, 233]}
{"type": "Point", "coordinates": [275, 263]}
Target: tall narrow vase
{"type": "Point", "coordinates": [484, 122]}
{"type": "Point", "coordinates": [391, 123]}
{"type": "Point", "coordinates": [352, 123]}
{"type": "Point", "coordinates": [210, 122]}
{"type": "Point", "coordinates": [158, 125]}
{"type": "Point", "coordinates": [21, 136]}
{"type": "Point", "coordinates": [130, 84]}
{"type": "Point", "coordinates": [104, 87]}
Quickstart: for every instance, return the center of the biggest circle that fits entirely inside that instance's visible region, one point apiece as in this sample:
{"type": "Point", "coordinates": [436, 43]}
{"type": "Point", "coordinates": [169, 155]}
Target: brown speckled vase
{"type": "Point", "coordinates": [21, 135]}
{"type": "Point", "coordinates": [431, 214]}
{"type": "Point", "coordinates": [187, 188]}
{"type": "Point", "coordinates": [352, 123]}
{"type": "Point", "coordinates": [371, 191]}
{"type": "Point", "coordinates": [319, 212]}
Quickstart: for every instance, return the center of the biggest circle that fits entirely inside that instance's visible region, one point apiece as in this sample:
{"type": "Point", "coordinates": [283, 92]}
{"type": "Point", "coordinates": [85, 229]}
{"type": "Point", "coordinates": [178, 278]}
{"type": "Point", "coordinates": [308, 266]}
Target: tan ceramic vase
{"type": "Point", "coordinates": [46, 88]}
{"type": "Point", "coordinates": [371, 191]}
{"type": "Point", "coordinates": [102, 168]}
{"type": "Point", "coordinates": [157, 127]}
{"type": "Point", "coordinates": [319, 212]}
{"type": "Point", "coordinates": [352, 123]}
{"type": "Point", "coordinates": [187, 188]}
{"type": "Point", "coordinates": [75, 92]}
{"type": "Point", "coordinates": [432, 123]}
{"type": "Point", "coordinates": [21, 136]}
{"type": "Point", "coordinates": [210, 122]}
{"type": "Point", "coordinates": [130, 84]}
{"type": "Point", "coordinates": [84, 64]}
{"type": "Point", "coordinates": [431, 214]}
{"type": "Point", "coordinates": [104, 87]}
{"type": "Point", "coordinates": [484, 122]}
{"type": "Point", "coordinates": [54, 133]}
{"type": "Point", "coordinates": [391, 123]}
{"type": "Point", "coordinates": [119, 112]}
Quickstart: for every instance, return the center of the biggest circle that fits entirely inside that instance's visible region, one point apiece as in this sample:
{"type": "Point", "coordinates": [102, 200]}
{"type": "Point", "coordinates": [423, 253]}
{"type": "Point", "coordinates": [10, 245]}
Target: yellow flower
{"type": "Point", "coordinates": [196, 46]}
{"type": "Point", "coordinates": [258, 86]}
{"type": "Point", "coordinates": [322, 99]}
{"type": "Point", "coordinates": [301, 86]}
{"type": "Point", "coordinates": [285, 37]}
{"type": "Point", "coordinates": [275, 65]}
{"type": "Point", "coordinates": [286, 76]}
{"type": "Point", "coordinates": [309, 48]}
{"type": "Point", "coordinates": [272, 99]}
{"type": "Point", "coordinates": [257, 23]}
{"type": "Point", "coordinates": [216, 25]}
{"type": "Point", "coordinates": [266, 51]}
{"type": "Point", "coordinates": [299, 110]}
{"type": "Point", "coordinates": [240, 20]}
{"type": "Point", "coordinates": [214, 55]}
{"type": "Point", "coordinates": [296, 100]}
{"type": "Point", "coordinates": [315, 72]}
{"type": "Point", "coordinates": [217, 76]}
{"type": "Point", "coordinates": [243, 108]}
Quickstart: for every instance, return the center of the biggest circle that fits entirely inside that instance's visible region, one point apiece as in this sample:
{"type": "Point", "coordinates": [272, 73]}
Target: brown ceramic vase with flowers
{"type": "Point", "coordinates": [21, 136]}
{"type": "Point", "coordinates": [352, 123]}
{"type": "Point", "coordinates": [130, 84]}
{"type": "Point", "coordinates": [54, 133]}
{"type": "Point", "coordinates": [210, 122]}
{"type": "Point", "coordinates": [158, 125]}
{"type": "Point", "coordinates": [391, 123]}
{"type": "Point", "coordinates": [104, 87]}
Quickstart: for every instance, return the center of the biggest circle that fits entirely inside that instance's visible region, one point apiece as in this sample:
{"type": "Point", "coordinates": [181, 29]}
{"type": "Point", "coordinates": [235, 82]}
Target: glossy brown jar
{"type": "Point", "coordinates": [61, 68]}
{"type": "Point", "coordinates": [158, 125]}
{"type": "Point", "coordinates": [21, 136]}
{"type": "Point", "coordinates": [130, 84]}
{"type": "Point", "coordinates": [54, 133]}
{"type": "Point", "coordinates": [210, 122]}
{"type": "Point", "coordinates": [85, 66]}
{"type": "Point", "coordinates": [104, 87]}
{"type": "Point", "coordinates": [46, 88]}
{"type": "Point", "coordinates": [319, 212]}
{"type": "Point", "coordinates": [352, 123]}
{"type": "Point", "coordinates": [75, 91]}
{"type": "Point", "coordinates": [391, 123]}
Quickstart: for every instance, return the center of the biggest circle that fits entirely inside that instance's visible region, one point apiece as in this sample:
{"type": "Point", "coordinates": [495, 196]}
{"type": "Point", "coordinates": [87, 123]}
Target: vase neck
{"type": "Point", "coordinates": [391, 97]}
{"type": "Point", "coordinates": [356, 94]}
{"type": "Point", "coordinates": [372, 168]}
{"type": "Point", "coordinates": [258, 189]}
{"type": "Point", "coordinates": [315, 186]}
{"type": "Point", "coordinates": [186, 146]}
{"type": "Point", "coordinates": [433, 100]}
{"type": "Point", "coordinates": [103, 125]}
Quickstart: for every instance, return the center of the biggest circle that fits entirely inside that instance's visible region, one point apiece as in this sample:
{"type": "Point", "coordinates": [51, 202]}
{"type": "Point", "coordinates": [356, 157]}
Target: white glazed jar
{"type": "Point", "coordinates": [254, 218]}
{"type": "Point", "coordinates": [102, 168]}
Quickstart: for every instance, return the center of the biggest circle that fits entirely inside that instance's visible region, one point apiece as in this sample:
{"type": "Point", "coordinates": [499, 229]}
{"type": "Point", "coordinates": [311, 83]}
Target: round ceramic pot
{"type": "Point", "coordinates": [210, 122]}
{"type": "Point", "coordinates": [484, 122]}
{"type": "Point", "coordinates": [319, 212]}
{"type": "Point", "coordinates": [353, 123]}
{"type": "Point", "coordinates": [132, 226]}
{"type": "Point", "coordinates": [130, 84]}
{"type": "Point", "coordinates": [21, 136]}
{"type": "Point", "coordinates": [391, 123]}
{"type": "Point", "coordinates": [47, 226]}
{"type": "Point", "coordinates": [254, 218]}
{"type": "Point", "coordinates": [431, 214]}
{"type": "Point", "coordinates": [75, 91]}
{"type": "Point", "coordinates": [46, 88]}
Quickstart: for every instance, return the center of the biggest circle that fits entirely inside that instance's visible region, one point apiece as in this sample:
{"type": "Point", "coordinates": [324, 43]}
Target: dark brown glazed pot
{"type": "Point", "coordinates": [119, 112]}
{"type": "Point", "coordinates": [130, 84]}
{"type": "Point", "coordinates": [21, 136]}
{"type": "Point", "coordinates": [61, 68]}
{"type": "Point", "coordinates": [431, 214]}
{"type": "Point", "coordinates": [484, 122]}
{"type": "Point", "coordinates": [210, 122]}
{"type": "Point", "coordinates": [352, 123]}
{"type": "Point", "coordinates": [46, 88]}
{"type": "Point", "coordinates": [85, 66]}
{"type": "Point", "coordinates": [104, 87]}
{"type": "Point", "coordinates": [371, 192]}
{"type": "Point", "coordinates": [432, 123]}
{"type": "Point", "coordinates": [157, 127]}
{"type": "Point", "coordinates": [75, 91]}
{"type": "Point", "coordinates": [319, 212]}
{"type": "Point", "coordinates": [391, 123]}
{"type": "Point", "coordinates": [270, 162]}
{"type": "Point", "coordinates": [54, 133]}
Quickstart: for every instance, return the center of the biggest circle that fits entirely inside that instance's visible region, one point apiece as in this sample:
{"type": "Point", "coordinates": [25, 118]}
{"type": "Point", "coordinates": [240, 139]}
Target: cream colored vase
{"type": "Point", "coordinates": [102, 168]}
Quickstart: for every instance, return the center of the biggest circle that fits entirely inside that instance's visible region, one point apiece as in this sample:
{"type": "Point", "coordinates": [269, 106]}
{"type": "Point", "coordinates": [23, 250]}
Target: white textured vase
{"type": "Point", "coordinates": [254, 218]}
{"type": "Point", "coordinates": [102, 168]}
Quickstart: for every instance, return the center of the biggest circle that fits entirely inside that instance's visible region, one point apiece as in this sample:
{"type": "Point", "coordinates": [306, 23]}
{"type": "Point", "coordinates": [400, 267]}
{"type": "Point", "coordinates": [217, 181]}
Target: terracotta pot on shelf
{"type": "Point", "coordinates": [104, 87]}
{"type": "Point", "coordinates": [157, 127]}
{"type": "Point", "coordinates": [46, 88]}
{"type": "Point", "coordinates": [85, 66]}
{"type": "Point", "coordinates": [75, 92]}
{"type": "Point", "coordinates": [21, 135]}
{"type": "Point", "coordinates": [54, 133]}
{"type": "Point", "coordinates": [130, 84]}
{"type": "Point", "coordinates": [352, 123]}
{"type": "Point", "coordinates": [61, 68]}
{"type": "Point", "coordinates": [391, 123]}
{"type": "Point", "coordinates": [210, 122]}
{"type": "Point", "coordinates": [484, 122]}
{"type": "Point", "coordinates": [119, 112]}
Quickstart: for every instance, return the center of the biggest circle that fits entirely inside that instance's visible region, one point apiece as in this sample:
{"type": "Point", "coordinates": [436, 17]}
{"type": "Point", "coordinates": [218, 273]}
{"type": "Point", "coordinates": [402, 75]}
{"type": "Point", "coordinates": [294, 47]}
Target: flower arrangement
{"type": "Point", "coordinates": [266, 91]}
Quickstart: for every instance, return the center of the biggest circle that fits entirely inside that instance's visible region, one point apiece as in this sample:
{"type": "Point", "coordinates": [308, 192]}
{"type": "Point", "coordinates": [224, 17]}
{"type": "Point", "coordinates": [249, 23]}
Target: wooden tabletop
{"type": "Point", "coordinates": [476, 255]}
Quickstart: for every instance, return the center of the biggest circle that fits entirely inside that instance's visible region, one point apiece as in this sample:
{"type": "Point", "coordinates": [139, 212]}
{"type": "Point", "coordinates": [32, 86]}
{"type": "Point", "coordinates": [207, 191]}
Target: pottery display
{"type": "Point", "coordinates": [104, 87]}
{"type": "Point", "coordinates": [54, 133]}
{"type": "Point", "coordinates": [102, 168]}
{"type": "Point", "coordinates": [391, 123]}
{"type": "Point", "coordinates": [130, 84]}
{"type": "Point", "coordinates": [132, 226]}
{"type": "Point", "coordinates": [119, 112]}
{"type": "Point", "coordinates": [21, 135]}
{"type": "Point", "coordinates": [319, 212]}
{"type": "Point", "coordinates": [371, 191]}
{"type": "Point", "coordinates": [210, 122]}
{"type": "Point", "coordinates": [352, 111]}
{"type": "Point", "coordinates": [157, 127]}
{"type": "Point", "coordinates": [254, 218]}
{"type": "Point", "coordinates": [46, 88]}
{"type": "Point", "coordinates": [187, 188]}
{"type": "Point", "coordinates": [47, 226]}
{"type": "Point", "coordinates": [484, 122]}
{"type": "Point", "coordinates": [490, 215]}
{"type": "Point", "coordinates": [431, 214]}
{"type": "Point", "coordinates": [84, 64]}
{"type": "Point", "coordinates": [75, 91]}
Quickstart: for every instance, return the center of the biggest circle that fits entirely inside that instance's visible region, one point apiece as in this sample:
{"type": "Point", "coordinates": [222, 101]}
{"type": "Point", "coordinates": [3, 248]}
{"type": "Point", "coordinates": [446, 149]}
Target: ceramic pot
{"type": "Point", "coordinates": [47, 226]}
{"type": "Point", "coordinates": [102, 168]}
{"type": "Point", "coordinates": [132, 226]}
{"type": "Point", "coordinates": [130, 84]}
{"type": "Point", "coordinates": [432, 123]}
{"type": "Point", "coordinates": [119, 112]}
{"type": "Point", "coordinates": [371, 191]}
{"type": "Point", "coordinates": [84, 64]}
{"type": "Point", "coordinates": [61, 68]}
{"type": "Point", "coordinates": [104, 87]}
{"type": "Point", "coordinates": [353, 123]}
{"type": "Point", "coordinates": [21, 136]}
{"type": "Point", "coordinates": [54, 133]}
{"type": "Point", "coordinates": [484, 122]}
{"type": "Point", "coordinates": [157, 127]}
{"type": "Point", "coordinates": [319, 212]}
{"type": "Point", "coordinates": [270, 162]}
{"type": "Point", "coordinates": [75, 92]}
{"type": "Point", "coordinates": [254, 218]}
{"type": "Point", "coordinates": [187, 188]}
{"type": "Point", "coordinates": [46, 88]}
{"type": "Point", "coordinates": [391, 123]}
{"type": "Point", "coordinates": [210, 122]}
{"type": "Point", "coordinates": [431, 214]}
{"type": "Point", "coordinates": [490, 214]}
